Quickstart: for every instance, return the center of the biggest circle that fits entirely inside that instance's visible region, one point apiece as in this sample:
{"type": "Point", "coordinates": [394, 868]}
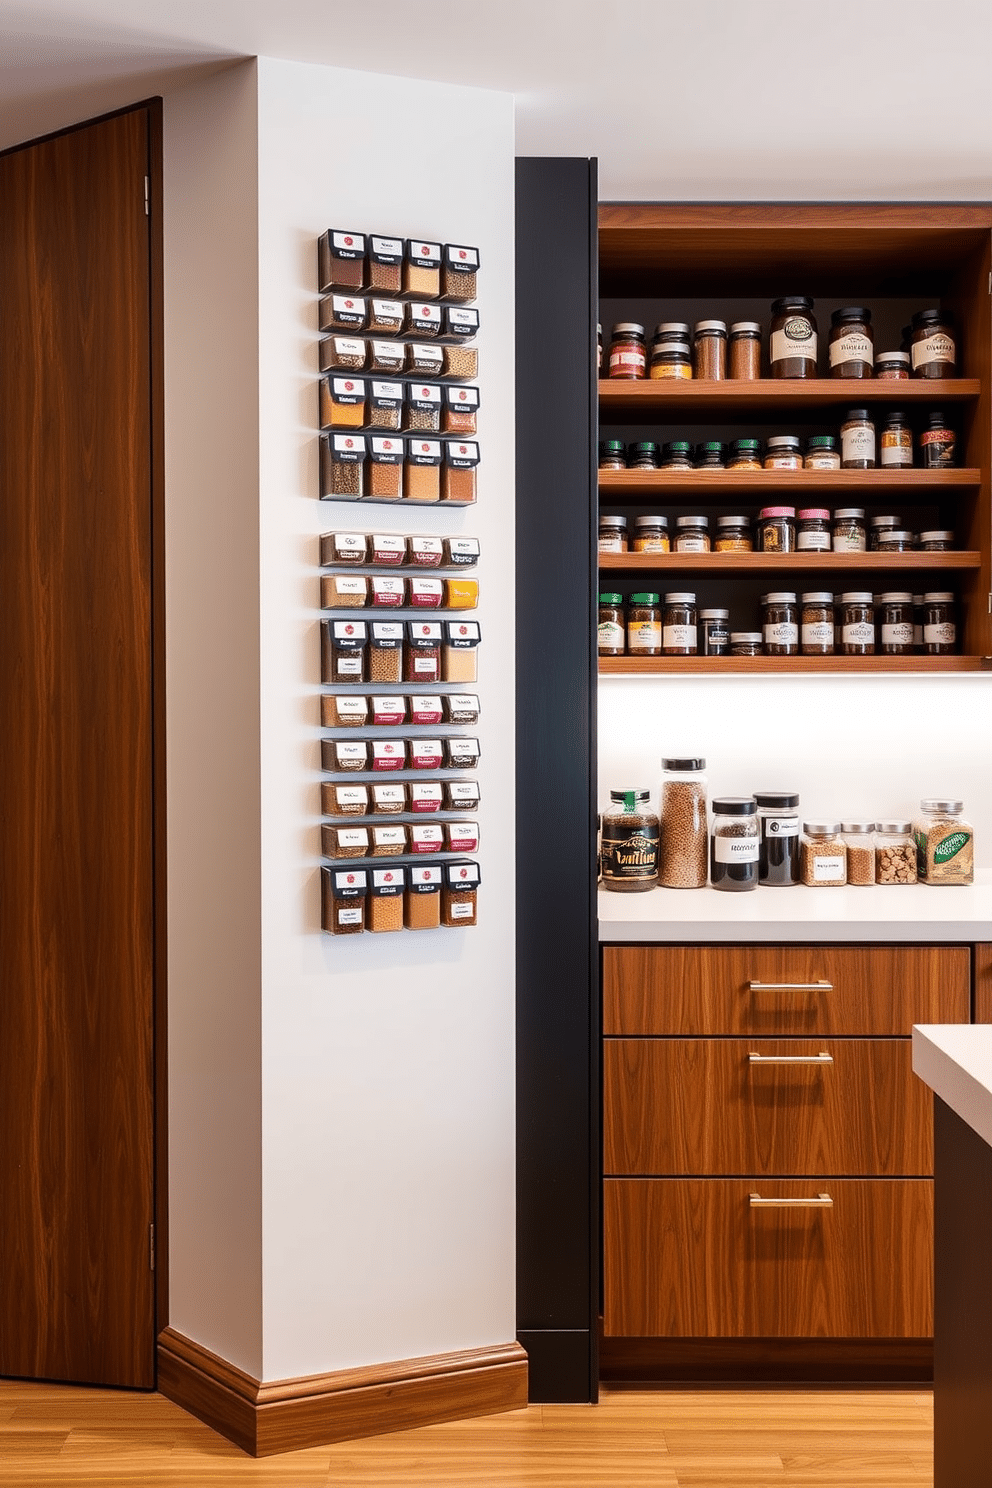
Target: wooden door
{"type": "Point", "coordinates": [76, 881]}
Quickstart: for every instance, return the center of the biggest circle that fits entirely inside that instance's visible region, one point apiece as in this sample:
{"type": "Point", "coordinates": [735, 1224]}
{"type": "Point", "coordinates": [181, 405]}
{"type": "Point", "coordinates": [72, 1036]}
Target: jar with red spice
{"type": "Point", "coordinates": [628, 352]}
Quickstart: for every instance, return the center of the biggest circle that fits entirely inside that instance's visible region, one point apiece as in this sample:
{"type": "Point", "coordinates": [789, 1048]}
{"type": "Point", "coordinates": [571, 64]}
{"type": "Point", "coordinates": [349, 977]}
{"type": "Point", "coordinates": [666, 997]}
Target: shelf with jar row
{"type": "Point", "coordinates": [647, 666]}
{"type": "Point", "coordinates": [713, 485]}
{"type": "Point", "coordinates": [759, 563]}
{"type": "Point", "coordinates": [623, 401]}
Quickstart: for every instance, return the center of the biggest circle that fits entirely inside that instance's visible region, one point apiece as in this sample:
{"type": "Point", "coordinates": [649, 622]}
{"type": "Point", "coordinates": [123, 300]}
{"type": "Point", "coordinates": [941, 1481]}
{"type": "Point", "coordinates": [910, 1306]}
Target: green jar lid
{"type": "Point", "coordinates": [611, 599]}
{"type": "Point", "coordinates": [614, 446]}
{"type": "Point", "coordinates": [746, 445]}
{"type": "Point", "coordinates": [821, 441]}
{"type": "Point", "coordinates": [647, 446]}
{"type": "Point", "coordinates": [711, 447]}
{"type": "Point", "coordinates": [645, 599]}
{"type": "Point", "coordinates": [678, 447]}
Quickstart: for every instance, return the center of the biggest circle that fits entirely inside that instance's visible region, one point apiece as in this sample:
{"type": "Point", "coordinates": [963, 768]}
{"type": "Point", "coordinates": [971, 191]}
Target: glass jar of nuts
{"type": "Point", "coordinates": [895, 853]}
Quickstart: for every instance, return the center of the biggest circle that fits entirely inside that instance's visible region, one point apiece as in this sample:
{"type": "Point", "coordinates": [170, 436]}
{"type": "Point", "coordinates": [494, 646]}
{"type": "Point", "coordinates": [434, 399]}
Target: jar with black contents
{"type": "Point", "coordinates": [644, 456]}
{"type": "Point", "coordinates": [612, 455]}
{"type": "Point", "coordinates": [896, 540]}
{"type": "Point", "coordinates": [745, 643]}
{"type": "Point", "coordinates": [782, 452]}
{"type": "Point", "coordinates": [892, 366]}
{"type": "Point", "coordinates": [857, 620]}
{"type": "Point", "coordinates": [671, 359]}
{"type": "Point", "coordinates": [936, 542]}
{"type": "Point", "coordinates": [733, 535]}
{"type": "Point", "coordinates": [940, 632]}
{"type": "Point", "coordinates": [677, 455]}
{"type": "Point", "coordinates": [879, 526]}
{"type": "Point", "coordinates": [628, 353]}
{"type": "Point", "coordinates": [932, 346]}
{"type": "Point", "coordinates": [745, 454]}
{"type": "Point", "coordinates": [651, 534]}
{"type": "Point", "coordinates": [937, 444]}
{"type": "Point", "coordinates": [778, 827]}
{"type": "Point", "coordinates": [612, 533]}
{"type": "Point", "coordinates": [610, 633]}
{"type": "Point", "coordinates": [714, 632]}
{"type": "Point", "coordinates": [710, 350]}
{"type": "Point", "coordinates": [849, 534]}
{"type": "Point", "coordinates": [735, 846]}
{"type": "Point", "coordinates": [895, 450]}
{"type": "Point", "coordinates": [895, 624]}
{"type": "Point", "coordinates": [816, 634]}
{"type": "Point", "coordinates": [852, 342]}
{"type": "Point", "coordinates": [777, 529]}
{"type": "Point", "coordinates": [692, 534]}
{"type": "Point", "coordinates": [857, 441]}
{"type": "Point", "coordinates": [821, 453]}
{"type": "Point", "coordinates": [792, 341]}
{"type": "Point", "coordinates": [813, 530]}
{"type": "Point", "coordinates": [711, 455]}
{"type": "Point", "coordinates": [745, 351]}
{"type": "Point", "coordinates": [780, 624]}
{"type": "Point", "coordinates": [680, 628]}
{"type": "Point", "coordinates": [629, 843]}
{"type": "Point", "coordinates": [644, 625]}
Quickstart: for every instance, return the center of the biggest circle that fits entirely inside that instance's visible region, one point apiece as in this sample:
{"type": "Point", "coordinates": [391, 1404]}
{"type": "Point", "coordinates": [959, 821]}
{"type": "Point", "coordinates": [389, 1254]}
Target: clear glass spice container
{"type": "Point", "coordinates": [459, 894]}
{"type": "Point", "coordinates": [682, 862]}
{"type": "Point", "coordinates": [849, 534]}
{"type": "Point", "coordinates": [745, 643]}
{"type": "Point", "coordinates": [343, 650]}
{"type": "Point", "coordinates": [671, 359]}
{"type": "Point", "coordinates": [343, 896]}
{"type": "Point", "coordinates": [612, 533]}
{"type": "Point", "coordinates": [735, 844]}
{"type": "Point", "coordinates": [677, 455]}
{"type": "Point", "coordinates": [895, 624]}
{"type": "Point", "coordinates": [744, 353]}
{"type": "Point", "coordinates": [821, 453]}
{"type": "Point", "coordinates": [709, 351]}
{"type": "Point", "coordinates": [823, 855]}
{"type": "Point", "coordinates": [733, 535]}
{"type": "Point", "coordinates": [341, 260]}
{"type": "Point", "coordinates": [679, 635]}
{"type": "Point", "coordinates": [644, 624]}
{"type": "Point", "coordinates": [610, 633]}
{"type": "Point", "coordinates": [745, 454]}
{"type": "Point", "coordinates": [878, 526]}
{"type": "Point", "coordinates": [892, 366]}
{"type": "Point", "coordinates": [940, 631]}
{"type": "Point", "coordinates": [816, 635]}
{"type": "Point", "coordinates": [645, 455]}
{"type": "Point", "coordinates": [938, 443]}
{"type": "Point", "coordinates": [895, 852]}
{"type": "Point", "coordinates": [612, 454]}
{"type": "Point", "coordinates": [628, 354]}
{"type": "Point", "coordinates": [852, 342]}
{"type": "Point", "coordinates": [792, 342]}
{"type": "Point", "coordinates": [714, 632]}
{"type": "Point", "coordinates": [780, 624]}
{"type": "Point", "coordinates": [940, 541]}
{"type": "Point", "coordinates": [692, 534]}
{"type": "Point", "coordinates": [629, 842]}
{"type": "Point", "coordinates": [711, 455]}
{"type": "Point", "coordinates": [932, 345]}
{"type": "Point", "coordinates": [857, 623]}
{"type": "Point", "coordinates": [778, 827]}
{"type": "Point", "coordinates": [859, 840]}
{"type": "Point", "coordinates": [813, 530]}
{"type": "Point", "coordinates": [782, 452]}
{"type": "Point", "coordinates": [342, 467]}
{"type": "Point", "coordinates": [945, 842]}
{"type": "Point", "coordinates": [651, 534]}
{"type": "Point", "coordinates": [777, 529]}
{"type": "Point", "coordinates": [857, 441]}
{"type": "Point", "coordinates": [895, 442]}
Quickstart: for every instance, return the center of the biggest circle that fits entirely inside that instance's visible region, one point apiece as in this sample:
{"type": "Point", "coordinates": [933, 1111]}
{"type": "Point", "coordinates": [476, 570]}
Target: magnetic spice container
{"type": "Point", "coordinates": [422, 410]}
{"type": "Point", "coordinates": [343, 645]}
{"type": "Point", "coordinates": [423, 896]}
{"type": "Point", "coordinates": [852, 342]}
{"type": "Point", "coordinates": [629, 843]}
{"type": "Point", "coordinates": [459, 472]}
{"type": "Point", "coordinates": [628, 354]}
{"type": "Point", "coordinates": [644, 625]}
{"type": "Point", "coordinates": [343, 800]}
{"type": "Point", "coordinates": [339, 710]}
{"type": "Point", "coordinates": [423, 651]}
{"type": "Point", "coordinates": [816, 634]}
{"type": "Point", "coordinates": [344, 354]}
{"type": "Point", "coordinates": [341, 260]}
{"type": "Point", "coordinates": [422, 269]}
{"type": "Point", "coordinates": [385, 468]}
{"type": "Point", "coordinates": [778, 828]}
{"type": "Point", "coordinates": [388, 842]}
{"type": "Point", "coordinates": [422, 320]}
{"type": "Point", "coordinates": [679, 631]}
{"type": "Point", "coordinates": [344, 842]}
{"type": "Point", "coordinates": [344, 756]}
{"type": "Point", "coordinates": [932, 347]}
{"type": "Point", "coordinates": [460, 273]}
{"type": "Point", "coordinates": [422, 470]}
{"type": "Point", "coordinates": [792, 341]}
{"type": "Point", "coordinates": [426, 552]}
{"type": "Point", "coordinates": [459, 893]}
{"type": "Point", "coordinates": [342, 899]}
{"type": "Point", "coordinates": [342, 467]}
{"type": "Point", "coordinates": [385, 317]}
{"type": "Point", "coordinates": [744, 351]}
{"type": "Point", "coordinates": [348, 314]}
{"type": "Point", "coordinates": [458, 324]}
{"type": "Point", "coordinates": [386, 651]}
{"type": "Point", "coordinates": [461, 552]}
{"type": "Point", "coordinates": [343, 591]}
{"type": "Point", "coordinates": [460, 413]}
{"type": "Point", "coordinates": [419, 358]}
{"type": "Point", "coordinates": [385, 409]}
{"type": "Point", "coordinates": [385, 901]}
{"type": "Point", "coordinates": [386, 356]}
{"type": "Point", "coordinates": [460, 361]}
{"type": "Point", "coordinates": [682, 864]}
{"type": "Point", "coordinates": [386, 264]}
{"type": "Point", "coordinates": [460, 661]}
{"type": "Point", "coordinates": [388, 592]}
{"type": "Point", "coordinates": [735, 846]}
{"type": "Point", "coordinates": [342, 402]}
{"type": "Point", "coordinates": [823, 855]}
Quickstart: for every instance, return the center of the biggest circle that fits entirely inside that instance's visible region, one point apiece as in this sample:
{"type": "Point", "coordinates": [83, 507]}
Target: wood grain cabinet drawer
{"type": "Point", "coordinates": [783, 991]}
{"type": "Point", "coordinates": [694, 1259]}
{"type": "Point", "coordinates": [725, 1106]}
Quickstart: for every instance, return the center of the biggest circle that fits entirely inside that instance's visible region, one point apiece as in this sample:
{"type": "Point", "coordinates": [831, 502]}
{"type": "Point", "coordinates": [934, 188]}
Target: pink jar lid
{"type": "Point", "coordinates": [776, 511]}
{"type": "Point", "coordinates": [812, 512]}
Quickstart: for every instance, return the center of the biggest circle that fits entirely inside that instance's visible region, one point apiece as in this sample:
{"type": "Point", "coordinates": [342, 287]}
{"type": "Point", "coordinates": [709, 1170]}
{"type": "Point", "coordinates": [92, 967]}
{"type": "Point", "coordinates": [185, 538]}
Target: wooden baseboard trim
{"type": "Point", "coordinates": [287, 1415]}
{"type": "Point", "coordinates": [747, 1361]}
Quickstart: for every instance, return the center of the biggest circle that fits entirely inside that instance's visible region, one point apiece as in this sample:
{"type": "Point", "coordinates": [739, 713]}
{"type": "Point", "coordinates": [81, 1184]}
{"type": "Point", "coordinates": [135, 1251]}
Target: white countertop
{"type": "Point", "coordinates": [920, 913]}
{"type": "Point", "coordinates": [955, 1060]}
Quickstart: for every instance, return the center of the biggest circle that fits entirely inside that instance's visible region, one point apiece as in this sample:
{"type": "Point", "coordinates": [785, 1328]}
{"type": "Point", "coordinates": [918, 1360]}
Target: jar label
{"type": "Point", "coordinates": [781, 633]}
{"type": "Point", "coordinates": [351, 707]}
{"type": "Point", "coordinates": [897, 635]}
{"type": "Point", "coordinates": [680, 637]}
{"type": "Point", "coordinates": [692, 544]}
{"type": "Point", "coordinates": [627, 361]}
{"type": "Point", "coordinates": [610, 636]}
{"type": "Point", "coordinates": [629, 852]}
{"type": "Point", "coordinates": [611, 544]}
{"type": "Point", "coordinates": [825, 461]}
{"type": "Point", "coordinates": [736, 849]}
{"type": "Point", "coordinates": [937, 347]}
{"type": "Point", "coordinates": [850, 543]}
{"type": "Point", "coordinates": [853, 346]}
{"type": "Point", "coordinates": [829, 869]}
{"type": "Point", "coordinates": [859, 633]}
{"type": "Point", "coordinates": [818, 633]}
{"type": "Point", "coordinates": [813, 542]}
{"type": "Point", "coordinates": [796, 339]}
{"type": "Point", "coordinates": [650, 544]}
{"type": "Point", "coordinates": [660, 370]}
{"type": "Point", "coordinates": [858, 443]}
{"type": "Point", "coordinates": [896, 448]}
{"type": "Point", "coordinates": [780, 826]}
{"type": "Point", "coordinates": [424, 666]}
{"type": "Point", "coordinates": [644, 635]}
{"type": "Point", "coordinates": [349, 916]}
{"type": "Point", "coordinates": [783, 462]}
{"type": "Point", "coordinates": [943, 634]}
{"type": "Point", "coordinates": [349, 666]}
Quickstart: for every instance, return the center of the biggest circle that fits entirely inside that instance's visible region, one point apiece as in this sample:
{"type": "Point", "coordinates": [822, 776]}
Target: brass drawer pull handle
{"type": "Point", "coordinates": [791, 986]}
{"type": "Point", "coordinates": [821, 1058]}
{"type": "Point", "coordinates": [822, 1201]}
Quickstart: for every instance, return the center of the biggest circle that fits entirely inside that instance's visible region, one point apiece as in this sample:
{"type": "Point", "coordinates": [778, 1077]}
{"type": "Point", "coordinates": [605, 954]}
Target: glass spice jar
{"type": "Point", "coordinates": [816, 635]}
{"type": "Point", "coordinates": [709, 353]}
{"type": "Point", "coordinates": [628, 354]}
{"type": "Point", "coordinates": [670, 359]}
{"type": "Point", "coordinates": [782, 453]}
{"type": "Point", "coordinates": [679, 626]}
{"type": "Point", "coordinates": [895, 852]}
{"type": "Point", "coordinates": [745, 454]}
{"type": "Point", "coordinates": [651, 534]}
{"type": "Point", "coordinates": [895, 450]}
{"type": "Point", "coordinates": [813, 530]}
{"type": "Point", "coordinates": [857, 624]}
{"type": "Point", "coordinates": [821, 453]}
{"type": "Point", "coordinates": [792, 341]}
{"type": "Point", "coordinates": [880, 525]}
{"type": "Point", "coordinates": [629, 843]}
{"type": "Point", "coordinates": [945, 843]}
{"type": "Point", "coordinates": [644, 456]}
{"type": "Point", "coordinates": [851, 347]}
{"type": "Point", "coordinates": [937, 444]}
{"type": "Point", "coordinates": [677, 455]}
{"type": "Point", "coordinates": [692, 534]}
{"type": "Point", "coordinates": [932, 346]}
{"type": "Point", "coordinates": [735, 845]}
{"type": "Point", "coordinates": [778, 837]}
{"type": "Point", "coordinates": [823, 855]}
{"type": "Point", "coordinates": [682, 863]}
{"type": "Point", "coordinates": [711, 455]}
{"type": "Point", "coordinates": [892, 366]}
{"type": "Point", "coordinates": [780, 624]}
{"type": "Point", "coordinates": [777, 529]}
{"type": "Point", "coordinates": [612, 533]}
{"type": "Point", "coordinates": [895, 624]}
{"type": "Point", "coordinates": [936, 542]}
{"type": "Point", "coordinates": [940, 632]}
{"type": "Point", "coordinates": [849, 534]}
{"type": "Point", "coordinates": [894, 540]}
{"type": "Point", "coordinates": [745, 351]}
{"type": "Point", "coordinates": [672, 330]}
{"type": "Point", "coordinates": [714, 632]}
{"type": "Point", "coordinates": [733, 535]}
{"type": "Point", "coordinates": [860, 843]}
{"type": "Point", "coordinates": [612, 454]}
{"type": "Point", "coordinates": [857, 441]}
{"type": "Point", "coordinates": [610, 631]}
{"type": "Point", "coordinates": [745, 643]}
{"type": "Point", "coordinates": [644, 625]}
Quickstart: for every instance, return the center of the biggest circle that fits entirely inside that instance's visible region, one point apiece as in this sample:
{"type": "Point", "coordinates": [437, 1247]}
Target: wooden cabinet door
{"type": "Point", "coordinates": [696, 1259]}
{"type": "Point", "coordinates": [76, 913]}
{"type": "Point", "coordinates": [725, 1106]}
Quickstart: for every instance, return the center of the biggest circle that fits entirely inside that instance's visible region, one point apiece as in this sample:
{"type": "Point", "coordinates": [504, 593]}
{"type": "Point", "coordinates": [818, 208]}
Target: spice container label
{"type": "Point", "coordinates": [348, 546]}
{"type": "Point", "coordinates": [426, 754]}
{"type": "Point", "coordinates": [853, 346]}
{"type": "Point", "coordinates": [426, 593]}
{"type": "Point", "coordinates": [897, 635]}
{"type": "Point", "coordinates": [463, 754]}
{"type": "Point", "coordinates": [387, 310]}
{"type": "Point", "coordinates": [686, 543]}
{"type": "Point", "coordinates": [462, 399]}
{"type": "Point", "coordinates": [937, 448]}
{"type": "Point", "coordinates": [386, 452]}
{"type": "Point", "coordinates": [345, 349]}
{"type": "Point", "coordinates": [781, 826]}
{"type": "Point", "coordinates": [346, 311]}
{"type": "Point", "coordinates": [424, 318]}
{"type": "Point", "coordinates": [351, 799]}
{"type": "Point", "coordinates": [645, 635]}
{"type": "Point", "coordinates": [387, 591]}
{"type": "Point", "coordinates": [462, 633]}
{"type": "Point", "coordinates": [423, 451]}
{"type": "Point", "coordinates": [387, 633]}
{"type": "Point", "coordinates": [348, 390]}
{"type": "Point", "coordinates": [858, 633]}
{"type": "Point", "coordinates": [425, 396]}
{"type": "Point", "coordinates": [797, 338]}
{"type": "Point", "coordinates": [388, 710]}
{"type": "Point", "coordinates": [387, 250]}
{"type": "Point", "coordinates": [389, 797]}
{"type": "Point", "coordinates": [386, 549]}
{"type": "Point", "coordinates": [349, 633]}
{"type": "Point", "coordinates": [389, 837]}
{"type": "Point", "coordinates": [429, 359]}
{"type": "Point", "coordinates": [781, 633]}
{"type": "Point", "coordinates": [462, 551]}
{"type": "Point", "coordinates": [736, 849]}
{"type": "Point", "coordinates": [425, 797]}
{"type": "Point", "coordinates": [813, 542]}
{"type": "Point", "coordinates": [462, 875]}
{"type": "Point", "coordinates": [348, 447]}
{"type": "Point", "coordinates": [348, 245]}
{"type": "Point", "coordinates": [849, 544]}
{"type": "Point", "coordinates": [426, 879]}
{"type": "Point", "coordinates": [341, 589]}
{"type": "Point", "coordinates": [387, 394]}
{"type": "Point", "coordinates": [461, 325]}
{"type": "Point", "coordinates": [462, 836]}
{"type": "Point", "coordinates": [425, 710]}
{"type": "Point", "coordinates": [463, 456]}
{"type": "Point", "coordinates": [937, 347]}
{"type": "Point", "coordinates": [464, 260]}
{"type": "Point", "coordinates": [426, 839]}
{"type": "Point", "coordinates": [386, 355]}
{"type": "Point", "coordinates": [349, 707]}
{"type": "Point", "coordinates": [818, 633]}
{"type": "Point", "coordinates": [944, 633]}
{"type": "Point", "coordinates": [350, 753]}
{"type": "Point", "coordinates": [828, 869]}
{"type": "Point", "coordinates": [426, 552]}
{"type": "Point", "coordinates": [388, 754]}
{"type": "Point", "coordinates": [857, 443]}
{"type": "Point", "coordinates": [352, 839]}
{"type": "Point", "coordinates": [676, 636]}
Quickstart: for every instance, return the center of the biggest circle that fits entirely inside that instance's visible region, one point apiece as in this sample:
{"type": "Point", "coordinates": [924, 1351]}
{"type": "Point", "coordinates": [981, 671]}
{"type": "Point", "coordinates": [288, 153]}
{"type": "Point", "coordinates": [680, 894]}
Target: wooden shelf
{"type": "Point", "coordinates": [652, 666]}
{"type": "Point", "coordinates": [619, 401]}
{"type": "Point", "coordinates": [759, 563]}
{"type": "Point", "coordinates": [713, 485]}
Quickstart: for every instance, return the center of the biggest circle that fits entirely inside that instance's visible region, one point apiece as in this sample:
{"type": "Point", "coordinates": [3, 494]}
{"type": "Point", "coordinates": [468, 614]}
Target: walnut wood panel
{"type": "Point", "coordinates": [690, 1258]}
{"type": "Point", "coordinates": [287, 1415]}
{"type": "Point", "coordinates": [788, 1361]}
{"type": "Point", "coordinates": [695, 1106]}
{"type": "Point", "coordinates": [76, 908]}
{"type": "Point", "coordinates": [699, 990]}
{"type": "Point", "coordinates": [983, 983]}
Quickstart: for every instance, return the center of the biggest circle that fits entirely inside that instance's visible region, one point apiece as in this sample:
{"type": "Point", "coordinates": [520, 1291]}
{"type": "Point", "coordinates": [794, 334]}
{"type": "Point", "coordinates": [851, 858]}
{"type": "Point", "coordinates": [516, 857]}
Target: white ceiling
{"type": "Point", "coordinates": [714, 99]}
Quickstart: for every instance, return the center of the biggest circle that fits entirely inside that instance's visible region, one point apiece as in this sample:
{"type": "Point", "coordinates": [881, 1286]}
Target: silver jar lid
{"type": "Point", "coordinates": [714, 614]}
{"type": "Point", "coordinates": [891, 535]}
{"type": "Point", "coordinates": [939, 597]}
{"type": "Point", "coordinates": [667, 327]}
{"type": "Point", "coordinates": [783, 441]}
{"type": "Point", "coordinates": [639, 792]}
{"type": "Point", "coordinates": [733, 521]}
{"type": "Point", "coordinates": [746, 327]}
{"type": "Point", "coordinates": [692, 521]}
{"type": "Point", "coordinates": [680, 599]}
{"type": "Point", "coordinates": [607, 520]}
{"type": "Point", "coordinates": [628, 325]}
{"type": "Point", "coordinates": [651, 521]}
{"type": "Point", "coordinates": [857, 826]}
{"type": "Point", "coordinates": [895, 598]}
{"type": "Point", "coordinates": [931, 803]}
{"type": "Point", "coordinates": [936, 537]}
{"type": "Point", "coordinates": [821, 828]}
{"type": "Point", "coordinates": [746, 637]}
{"type": "Point", "coordinates": [858, 597]}
{"type": "Point", "coordinates": [844, 513]}
{"type": "Point", "coordinates": [720, 326]}
{"type": "Point", "coordinates": [783, 598]}
{"type": "Point", "coordinates": [818, 596]}
{"type": "Point", "coordinates": [895, 824]}
{"type": "Point", "coordinates": [883, 523]}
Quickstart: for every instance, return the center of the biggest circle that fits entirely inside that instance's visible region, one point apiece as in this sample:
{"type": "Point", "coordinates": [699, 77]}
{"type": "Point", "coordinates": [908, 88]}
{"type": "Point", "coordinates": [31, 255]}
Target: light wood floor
{"type": "Point", "coordinates": [62, 1437]}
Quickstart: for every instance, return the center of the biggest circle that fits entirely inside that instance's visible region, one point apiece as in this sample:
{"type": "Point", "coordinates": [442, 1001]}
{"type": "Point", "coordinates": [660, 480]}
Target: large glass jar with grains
{"type": "Point", "coordinates": [823, 855]}
{"type": "Point", "coordinates": [610, 634]}
{"type": "Point", "coordinates": [644, 625]}
{"type": "Point", "coordinates": [792, 341]}
{"type": "Point", "coordinates": [735, 846]}
{"type": "Point", "coordinates": [778, 825]}
{"type": "Point", "coordinates": [682, 864]}
{"type": "Point", "coordinates": [852, 342]}
{"type": "Point", "coordinates": [945, 843]}
{"type": "Point", "coordinates": [629, 842]}
{"type": "Point", "coordinates": [859, 839]}
{"type": "Point", "coordinates": [932, 347]}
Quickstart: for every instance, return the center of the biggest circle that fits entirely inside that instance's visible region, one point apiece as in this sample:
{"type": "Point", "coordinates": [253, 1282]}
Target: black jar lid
{"type": "Point", "coordinates": [687, 763]}
{"type": "Point", "coordinates": [857, 415]}
{"type": "Point", "coordinates": [734, 805]}
{"type": "Point", "coordinates": [777, 798]}
{"type": "Point", "coordinates": [937, 420]}
{"type": "Point", "coordinates": [932, 317]}
{"type": "Point", "coordinates": [896, 416]}
{"type": "Point", "coordinates": [791, 302]}
{"type": "Point", "coordinates": [859, 313]}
